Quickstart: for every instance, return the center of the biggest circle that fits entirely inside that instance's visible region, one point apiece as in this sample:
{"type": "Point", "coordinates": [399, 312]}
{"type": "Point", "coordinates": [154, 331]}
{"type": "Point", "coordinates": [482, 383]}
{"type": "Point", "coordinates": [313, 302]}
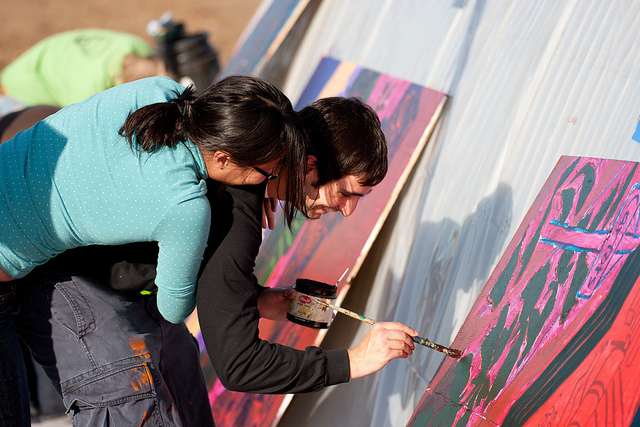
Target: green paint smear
{"type": "Point", "coordinates": [492, 347]}
{"type": "Point", "coordinates": [462, 374]}
{"type": "Point", "coordinates": [531, 295]}
{"type": "Point", "coordinates": [447, 415]}
{"type": "Point", "coordinates": [604, 208]}
{"type": "Point", "coordinates": [564, 266]}
{"type": "Point", "coordinates": [584, 222]}
{"type": "Point", "coordinates": [589, 174]}
{"type": "Point", "coordinates": [528, 325]}
{"type": "Point", "coordinates": [567, 203]}
{"type": "Point", "coordinates": [500, 287]}
{"type": "Point", "coordinates": [580, 274]}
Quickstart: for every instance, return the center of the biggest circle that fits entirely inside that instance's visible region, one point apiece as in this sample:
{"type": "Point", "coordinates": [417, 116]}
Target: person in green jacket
{"type": "Point", "coordinates": [68, 67]}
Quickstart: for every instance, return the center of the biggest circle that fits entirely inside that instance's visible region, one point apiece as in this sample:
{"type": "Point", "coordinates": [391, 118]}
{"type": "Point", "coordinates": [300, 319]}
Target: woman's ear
{"type": "Point", "coordinates": [221, 159]}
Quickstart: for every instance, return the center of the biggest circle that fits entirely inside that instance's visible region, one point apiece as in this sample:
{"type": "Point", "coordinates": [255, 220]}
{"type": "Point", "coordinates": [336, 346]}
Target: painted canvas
{"type": "Point", "coordinates": [553, 337]}
{"type": "Point", "coordinates": [322, 249]}
{"type": "Point", "coordinates": [260, 40]}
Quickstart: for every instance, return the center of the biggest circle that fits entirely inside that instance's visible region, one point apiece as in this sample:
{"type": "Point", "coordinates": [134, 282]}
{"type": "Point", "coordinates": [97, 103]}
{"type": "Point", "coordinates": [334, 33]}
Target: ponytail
{"type": "Point", "coordinates": [163, 124]}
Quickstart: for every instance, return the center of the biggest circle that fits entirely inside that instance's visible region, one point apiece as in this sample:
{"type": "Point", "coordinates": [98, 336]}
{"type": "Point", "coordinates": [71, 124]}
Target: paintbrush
{"type": "Point", "coordinates": [418, 340]}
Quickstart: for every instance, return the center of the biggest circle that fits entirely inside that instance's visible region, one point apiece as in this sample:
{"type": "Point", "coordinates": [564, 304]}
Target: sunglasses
{"type": "Point", "coordinates": [266, 174]}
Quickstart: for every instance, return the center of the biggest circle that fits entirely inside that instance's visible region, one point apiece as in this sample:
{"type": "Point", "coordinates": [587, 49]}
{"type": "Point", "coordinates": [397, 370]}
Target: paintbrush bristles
{"type": "Point", "coordinates": [456, 354]}
{"type": "Point", "coordinates": [446, 350]}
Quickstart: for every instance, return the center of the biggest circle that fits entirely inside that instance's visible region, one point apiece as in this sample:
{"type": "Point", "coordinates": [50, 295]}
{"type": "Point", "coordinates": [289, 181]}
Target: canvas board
{"type": "Point", "coordinates": [553, 337]}
{"type": "Point", "coordinates": [267, 30]}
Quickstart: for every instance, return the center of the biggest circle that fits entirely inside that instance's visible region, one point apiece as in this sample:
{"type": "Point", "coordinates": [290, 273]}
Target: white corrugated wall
{"type": "Point", "coordinates": [529, 81]}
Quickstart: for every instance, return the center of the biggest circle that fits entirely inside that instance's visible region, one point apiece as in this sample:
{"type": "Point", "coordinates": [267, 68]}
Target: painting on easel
{"type": "Point", "coordinates": [552, 338]}
{"type": "Point", "coordinates": [322, 249]}
{"type": "Point", "coordinates": [268, 28]}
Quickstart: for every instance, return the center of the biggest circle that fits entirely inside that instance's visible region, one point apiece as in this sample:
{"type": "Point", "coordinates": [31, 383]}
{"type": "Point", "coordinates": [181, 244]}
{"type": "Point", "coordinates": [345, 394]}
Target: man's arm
{"type": "Point", "coordinates": [383, 342]}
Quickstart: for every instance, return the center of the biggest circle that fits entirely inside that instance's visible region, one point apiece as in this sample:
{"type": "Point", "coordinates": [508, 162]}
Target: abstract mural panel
{"type": "Point", "coordinates": [322, 249]}
{"type": "Point", "coordinates": [261, 38]}
{"type": "Point", "coordinates": [553, 338]}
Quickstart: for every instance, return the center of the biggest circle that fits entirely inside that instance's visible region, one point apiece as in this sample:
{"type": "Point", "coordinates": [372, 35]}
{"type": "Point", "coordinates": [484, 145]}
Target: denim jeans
{"type": "Point", "coordinates": [112, 357]}
{"type": "Point", "coordinates": [14, 390]}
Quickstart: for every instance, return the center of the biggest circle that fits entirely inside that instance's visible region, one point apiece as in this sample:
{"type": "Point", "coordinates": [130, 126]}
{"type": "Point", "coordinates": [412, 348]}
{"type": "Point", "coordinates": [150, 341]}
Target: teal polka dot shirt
{"type": "Point", "coordinates": [71, 180]}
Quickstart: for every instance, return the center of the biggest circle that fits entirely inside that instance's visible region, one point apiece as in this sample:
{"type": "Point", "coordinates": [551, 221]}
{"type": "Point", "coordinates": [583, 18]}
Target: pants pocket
{"type": "Point", "coordinates": [70, 308]}
{"type": "Point", "coordinates": [121, 393]}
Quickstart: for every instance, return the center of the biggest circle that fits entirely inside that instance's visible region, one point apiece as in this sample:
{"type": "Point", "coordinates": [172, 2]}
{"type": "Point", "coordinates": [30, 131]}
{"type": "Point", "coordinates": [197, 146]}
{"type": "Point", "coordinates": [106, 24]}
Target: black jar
{"type": "Point", "coordinates": [305, 311]}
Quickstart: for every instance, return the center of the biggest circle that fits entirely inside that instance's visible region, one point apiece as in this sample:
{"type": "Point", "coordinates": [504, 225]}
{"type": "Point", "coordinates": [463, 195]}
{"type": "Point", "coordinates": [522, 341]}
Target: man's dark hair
{"type": "Point", "coordinates": [346, 137]}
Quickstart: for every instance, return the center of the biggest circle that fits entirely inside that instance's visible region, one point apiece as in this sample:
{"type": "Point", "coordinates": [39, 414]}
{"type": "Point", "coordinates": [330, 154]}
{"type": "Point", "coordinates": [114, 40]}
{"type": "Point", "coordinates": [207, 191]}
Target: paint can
{"type": "Point", "coordinates": [305, 311]}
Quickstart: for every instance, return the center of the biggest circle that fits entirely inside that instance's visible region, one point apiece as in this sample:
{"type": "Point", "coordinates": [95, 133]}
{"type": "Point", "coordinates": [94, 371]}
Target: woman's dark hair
{"type": "Point", "coordinates": [347, 139]}
{"type": "Point", "coordinates": [246, 117]}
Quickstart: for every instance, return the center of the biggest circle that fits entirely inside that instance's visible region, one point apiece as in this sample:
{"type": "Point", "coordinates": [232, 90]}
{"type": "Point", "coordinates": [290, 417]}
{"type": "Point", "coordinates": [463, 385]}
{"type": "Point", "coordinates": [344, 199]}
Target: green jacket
{"type": "Point", "coordinates": [71, 66]}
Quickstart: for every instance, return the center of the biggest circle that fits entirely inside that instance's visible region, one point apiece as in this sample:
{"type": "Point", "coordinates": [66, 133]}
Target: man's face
{"type": "Point", "coordinates": [341, 196]}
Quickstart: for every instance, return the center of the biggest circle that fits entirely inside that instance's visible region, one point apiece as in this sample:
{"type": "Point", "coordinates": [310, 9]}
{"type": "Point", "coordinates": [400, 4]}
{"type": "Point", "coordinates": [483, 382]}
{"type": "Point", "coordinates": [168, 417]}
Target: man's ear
{"type": "Point", "coordinates": [311, 163]}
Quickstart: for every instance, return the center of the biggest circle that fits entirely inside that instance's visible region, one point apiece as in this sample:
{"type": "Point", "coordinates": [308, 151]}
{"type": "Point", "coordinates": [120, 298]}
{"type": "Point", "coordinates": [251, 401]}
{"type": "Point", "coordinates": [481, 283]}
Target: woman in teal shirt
{"type": "Point", "coordinates": [128, 165]}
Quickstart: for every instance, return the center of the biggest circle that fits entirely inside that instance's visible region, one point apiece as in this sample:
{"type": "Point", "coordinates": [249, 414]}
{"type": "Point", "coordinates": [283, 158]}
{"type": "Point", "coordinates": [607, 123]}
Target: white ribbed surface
{"type": "Point", "coordinates": [529, 81]}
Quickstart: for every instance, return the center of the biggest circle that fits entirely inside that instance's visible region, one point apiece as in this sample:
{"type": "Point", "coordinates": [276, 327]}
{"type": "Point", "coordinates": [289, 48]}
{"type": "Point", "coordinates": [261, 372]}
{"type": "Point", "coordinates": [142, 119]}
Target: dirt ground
{"type": "Point", "coordinates": [25, 22]}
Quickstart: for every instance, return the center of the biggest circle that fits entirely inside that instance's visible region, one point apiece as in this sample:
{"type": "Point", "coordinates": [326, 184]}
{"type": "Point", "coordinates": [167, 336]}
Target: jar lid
{"type": "Point", "coordinates": [315, 288]}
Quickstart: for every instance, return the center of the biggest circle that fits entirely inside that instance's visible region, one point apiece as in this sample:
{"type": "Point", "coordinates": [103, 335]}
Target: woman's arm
{"type": "Point", "coordinates": [182, 237]}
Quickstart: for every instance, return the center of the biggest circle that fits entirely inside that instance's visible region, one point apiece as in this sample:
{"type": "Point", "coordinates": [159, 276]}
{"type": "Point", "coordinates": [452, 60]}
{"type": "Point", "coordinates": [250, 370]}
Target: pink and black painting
{"type": "Point", "coordinates": [554, 335]}
{"type": "Point", "coordinates": [322, 249]}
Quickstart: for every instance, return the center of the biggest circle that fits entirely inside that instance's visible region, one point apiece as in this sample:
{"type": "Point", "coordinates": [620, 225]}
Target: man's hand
{"type": "Point", "coordinates": [384, 342]}
{"type": "Point", "coordinates": [268, 212]}
{"type": "Point", "coordinates": [273, 303]}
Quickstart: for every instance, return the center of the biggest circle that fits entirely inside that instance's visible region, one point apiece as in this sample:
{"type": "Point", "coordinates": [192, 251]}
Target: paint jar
{"type": "Point", "coordinates": [305, 311]}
